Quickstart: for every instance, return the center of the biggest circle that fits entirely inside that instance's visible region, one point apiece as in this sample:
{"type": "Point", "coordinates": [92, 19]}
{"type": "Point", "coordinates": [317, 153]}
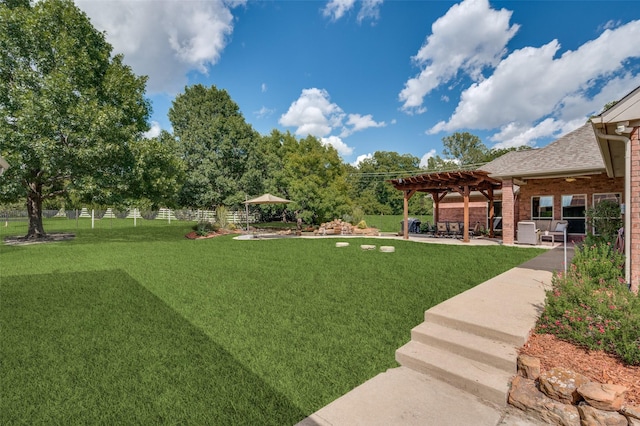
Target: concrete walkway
{"type": "Point", "coordinates": [503, 311]}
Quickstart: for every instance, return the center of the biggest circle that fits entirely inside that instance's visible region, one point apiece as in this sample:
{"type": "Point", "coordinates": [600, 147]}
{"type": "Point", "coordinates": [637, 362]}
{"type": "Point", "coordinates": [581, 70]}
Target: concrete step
{"type": "Point", "coordinates": [477, 378]}
{"type": "Point", "coordinates": [488, 351]}
{"type": "Point", "coordinates": [441, 317]}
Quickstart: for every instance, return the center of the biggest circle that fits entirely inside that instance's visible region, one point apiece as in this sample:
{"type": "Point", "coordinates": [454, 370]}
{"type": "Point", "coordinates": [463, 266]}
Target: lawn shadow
{"type": "Point", "coordinates": [98, 348]}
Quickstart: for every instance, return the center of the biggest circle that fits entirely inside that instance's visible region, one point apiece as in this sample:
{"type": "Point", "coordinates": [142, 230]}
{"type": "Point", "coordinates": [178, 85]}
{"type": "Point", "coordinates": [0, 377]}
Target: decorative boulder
{"type": "Point", "coordinates": [529, 367]}
{"type": "Point", "coordinates": [603, 396]}
{"type": "Point", "coordinates": [562, 384]}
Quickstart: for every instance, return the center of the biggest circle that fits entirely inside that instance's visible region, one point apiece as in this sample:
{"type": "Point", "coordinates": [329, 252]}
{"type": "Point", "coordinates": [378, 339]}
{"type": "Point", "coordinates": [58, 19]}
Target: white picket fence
{"type": "Point", "coordinates": [233, 216]}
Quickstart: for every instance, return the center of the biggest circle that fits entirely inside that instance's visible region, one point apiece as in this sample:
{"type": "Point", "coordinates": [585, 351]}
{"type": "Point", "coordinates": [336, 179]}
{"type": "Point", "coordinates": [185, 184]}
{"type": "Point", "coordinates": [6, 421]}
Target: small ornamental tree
{"type": "Point", "coordinates": [605, 219]}
{"type": "Point", "coordinates": [69, 111]}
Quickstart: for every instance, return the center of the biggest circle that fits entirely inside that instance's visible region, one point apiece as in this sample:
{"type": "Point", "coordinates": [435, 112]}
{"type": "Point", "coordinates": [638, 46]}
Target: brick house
{"type": "Point", "coordinates": [599, 160]}
{"type": "Point", "coordinates": [617, 132]}
{"type": "Point", "coordinates": [559, 181]}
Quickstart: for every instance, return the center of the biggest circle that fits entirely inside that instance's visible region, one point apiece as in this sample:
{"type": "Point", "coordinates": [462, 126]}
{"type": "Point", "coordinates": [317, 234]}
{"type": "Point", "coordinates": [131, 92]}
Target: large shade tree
{"type": "Point", "coordinates": [369, 187]}
{"type": "Point", "coordinates": [216, 144]}
{"type": "Point", "coordinates": [69, 110]}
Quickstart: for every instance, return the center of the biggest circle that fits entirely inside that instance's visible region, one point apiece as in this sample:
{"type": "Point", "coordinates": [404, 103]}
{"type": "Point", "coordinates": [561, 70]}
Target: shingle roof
{"type": "Point", "coordinates": [574, 153]}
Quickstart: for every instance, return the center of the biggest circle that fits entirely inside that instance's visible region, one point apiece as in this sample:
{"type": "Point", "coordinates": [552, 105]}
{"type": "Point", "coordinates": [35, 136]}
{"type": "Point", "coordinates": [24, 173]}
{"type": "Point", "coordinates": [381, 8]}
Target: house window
{"type": "Point", "coordinates": [616, 197]}
{"type": "Point", "coordinates": [542, 207]}
{"type": "Point", "coordinates": [574, 212]}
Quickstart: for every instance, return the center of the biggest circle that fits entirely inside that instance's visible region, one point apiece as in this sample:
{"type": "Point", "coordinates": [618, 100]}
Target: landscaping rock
{"type": "Point", "coordinates": [590, 416]}
{"type": "Point", "coordinates": [341, 244]}
{"type": "Point", "coordinates": [529, 367]}
{"type": "Point", "coordinates": [367, 247]}
{"type": "Point", "coordinates": [632, 414]}
{"type": "Point", "coordinates": [603, 396]}
{"type": "Point", "coordinates": [387, 249]}
{"type": "Point", "coordinates": [562, 384]}
{"type": "Point", "coordinates": [525, 395]}
{"type": "Point", "coordinates": [339, 227]}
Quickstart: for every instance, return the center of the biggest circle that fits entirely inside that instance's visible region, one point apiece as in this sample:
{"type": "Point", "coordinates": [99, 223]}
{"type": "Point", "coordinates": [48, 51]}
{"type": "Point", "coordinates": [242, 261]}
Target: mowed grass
{"type": "Point", "coordinates": [140, 325]}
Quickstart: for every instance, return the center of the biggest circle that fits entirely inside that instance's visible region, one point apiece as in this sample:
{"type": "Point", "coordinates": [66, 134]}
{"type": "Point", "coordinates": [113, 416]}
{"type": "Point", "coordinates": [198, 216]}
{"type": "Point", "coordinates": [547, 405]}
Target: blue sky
{"type": "Point", "coordinates": [386, 75]}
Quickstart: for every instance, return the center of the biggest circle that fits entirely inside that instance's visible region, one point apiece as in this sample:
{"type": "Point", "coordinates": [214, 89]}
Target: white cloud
{"type": "Point", "coordinates": [357, 122]}
{"type": "Point", "coordinates": [361, 158]}
{"type": "Point", "coordinates": [469, 37]}
{"type": "Point", "coordinates": [154, 131]}
{"type": "Point", "coordinates": [425, 158]}
{"type": "Point", "coordinates": [370, 9]}
{"type": "Point", "coordinates": [313, 114]}
{"type": "Point", "coordinates": [532, 83]}
{"type": "Point", "coordinates": [263, 88]}
{"type": "Point", "coordinates": [164, 39]}
{"type": "Point", "coordinates": [335, 9]}
{"type": "Point", "coordinates": [264, 112]}
{"type": "Point", "coordinates": [338, 144]}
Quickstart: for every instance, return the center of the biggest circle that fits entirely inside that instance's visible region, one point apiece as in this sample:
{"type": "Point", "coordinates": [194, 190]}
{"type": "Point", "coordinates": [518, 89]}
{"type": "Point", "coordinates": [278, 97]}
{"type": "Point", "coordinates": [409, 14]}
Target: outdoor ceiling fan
{"type": "Point", "coordinates": [574, 178]}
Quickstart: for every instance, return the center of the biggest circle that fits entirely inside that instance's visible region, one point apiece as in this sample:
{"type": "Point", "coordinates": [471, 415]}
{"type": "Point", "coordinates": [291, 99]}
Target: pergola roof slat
{"type": "Point", "coordinates": [440, 181]}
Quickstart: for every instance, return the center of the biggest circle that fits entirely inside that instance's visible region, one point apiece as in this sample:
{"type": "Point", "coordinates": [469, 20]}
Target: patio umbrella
{"type": "Point", "coordinates": [267, 199]}
{"type": "Point", "coordinates": [263, 199]}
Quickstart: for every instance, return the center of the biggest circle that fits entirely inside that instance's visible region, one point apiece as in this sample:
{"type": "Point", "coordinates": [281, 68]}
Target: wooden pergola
{"type": "Point", "coordinates": [440, 184]}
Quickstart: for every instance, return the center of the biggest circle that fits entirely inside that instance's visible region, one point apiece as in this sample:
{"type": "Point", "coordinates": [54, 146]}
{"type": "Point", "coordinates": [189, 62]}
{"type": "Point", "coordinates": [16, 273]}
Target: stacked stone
{"type": "Point", "coordinates": [340, 227]}
{"type": "Point", "coordinates": [563, 397]}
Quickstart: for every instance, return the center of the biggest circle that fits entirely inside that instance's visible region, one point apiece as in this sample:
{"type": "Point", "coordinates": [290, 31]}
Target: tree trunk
{"type": "Point", "coordinates": [34, 211]}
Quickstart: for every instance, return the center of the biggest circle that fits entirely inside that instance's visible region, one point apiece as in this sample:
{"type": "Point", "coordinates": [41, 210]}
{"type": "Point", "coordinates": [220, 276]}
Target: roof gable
{"type": "Point", "coordinates": [627, 109]}
{"type": "Point", "coordinates": [576, 152]}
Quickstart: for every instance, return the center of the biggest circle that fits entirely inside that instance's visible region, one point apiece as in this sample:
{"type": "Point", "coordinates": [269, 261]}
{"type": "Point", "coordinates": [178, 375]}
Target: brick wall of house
{"type": "Point", "coordinates": [508, 212]}
{"type": "Point", "coordinates": [454, 212]}
{"type": "Point", "coordinates": [634, 210]}
{"type": "Point", "coordinates": [596, 184]}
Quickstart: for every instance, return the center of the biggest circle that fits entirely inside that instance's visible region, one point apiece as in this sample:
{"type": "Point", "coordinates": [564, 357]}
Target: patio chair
{"type": "Point", "coordinates": [476, 231]}
{"type": "Point", "coordinates": [556, 231]}
{"type": "Point", "coordinates": [454, 229]}
{"type": "Point", "coordinates": [528, 233]}
{"type": "Point", "coordinates": [441, 229]}
{"type": "Point", "coordinates": [428, 229]}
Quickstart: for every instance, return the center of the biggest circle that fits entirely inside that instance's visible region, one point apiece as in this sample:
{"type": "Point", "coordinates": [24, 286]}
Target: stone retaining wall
{"type": "Point", "coordinates": [563, 397]}
{"type": "Point", "coordinates": [339, 227]}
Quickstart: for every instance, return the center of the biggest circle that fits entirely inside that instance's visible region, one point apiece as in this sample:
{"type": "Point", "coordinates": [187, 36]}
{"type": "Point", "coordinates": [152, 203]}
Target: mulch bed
{"type": "Point", "coordinates": [49, 238]}
{"type": "Point", "coordinates": [193, 235]}
{"type": "Point", "coordinates": [596, 365]}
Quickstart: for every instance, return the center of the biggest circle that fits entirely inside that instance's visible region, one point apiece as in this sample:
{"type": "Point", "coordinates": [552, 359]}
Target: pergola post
{"type": "Point", "coordinates": [407, 197]}
{"type": "Point", "coordinates": [492, 213]}
{"type": "Point", "coordinates": [465, 236]}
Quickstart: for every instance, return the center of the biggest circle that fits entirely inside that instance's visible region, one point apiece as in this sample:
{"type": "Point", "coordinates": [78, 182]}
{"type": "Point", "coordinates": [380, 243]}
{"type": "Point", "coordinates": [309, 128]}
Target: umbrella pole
{"type": "Point", "coordinates": [246, 208]}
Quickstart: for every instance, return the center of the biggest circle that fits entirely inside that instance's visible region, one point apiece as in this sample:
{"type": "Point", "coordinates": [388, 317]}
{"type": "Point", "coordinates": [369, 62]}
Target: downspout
{"type": "Point", "coordinates": [627, 198]}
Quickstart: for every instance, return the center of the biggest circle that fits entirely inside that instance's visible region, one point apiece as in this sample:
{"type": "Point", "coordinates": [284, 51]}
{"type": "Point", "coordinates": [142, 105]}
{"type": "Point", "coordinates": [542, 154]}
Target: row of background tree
{"type": "Point", "coordinates": [74, 115]}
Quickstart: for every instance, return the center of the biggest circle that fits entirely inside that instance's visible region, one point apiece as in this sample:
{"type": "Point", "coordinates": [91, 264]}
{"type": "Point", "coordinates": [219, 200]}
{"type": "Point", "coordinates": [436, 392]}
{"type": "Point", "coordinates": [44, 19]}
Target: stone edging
{"type": "Point", "coordinates": [564, 397]}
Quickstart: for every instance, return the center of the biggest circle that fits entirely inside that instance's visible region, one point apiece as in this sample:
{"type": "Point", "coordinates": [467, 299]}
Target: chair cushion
{"type": "Point", "coordinates": [560, 227]}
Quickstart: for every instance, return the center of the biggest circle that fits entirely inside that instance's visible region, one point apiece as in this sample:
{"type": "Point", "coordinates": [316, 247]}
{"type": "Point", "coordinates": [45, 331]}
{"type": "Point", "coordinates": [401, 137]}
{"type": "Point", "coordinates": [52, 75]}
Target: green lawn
{"type": "Point", "coordinates": [139, 325]}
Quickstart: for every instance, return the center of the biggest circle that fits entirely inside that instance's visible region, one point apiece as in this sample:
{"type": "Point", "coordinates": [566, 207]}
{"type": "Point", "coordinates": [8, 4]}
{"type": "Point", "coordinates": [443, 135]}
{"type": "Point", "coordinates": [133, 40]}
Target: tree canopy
{"type": "Point", "coordinates": [216, 144]}
{"type": "Point", "coordinates": [69, 110]}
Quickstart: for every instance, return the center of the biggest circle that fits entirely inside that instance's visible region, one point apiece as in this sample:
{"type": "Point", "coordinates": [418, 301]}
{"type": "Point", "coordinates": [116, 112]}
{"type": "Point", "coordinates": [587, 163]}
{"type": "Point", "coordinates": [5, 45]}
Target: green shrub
{"type": "Point", "coordinates": [203, 228]}
{"type": "Point", "coordinates": [362, 225]}
{"type": "Point", "coordinates": [605, 218]}
{"type": "Point", "coordinates": [592, 306]}
{"type": "Point", "coordinates": [221, 216]}
{"type": "Point", "coordinates": [357, 215]}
